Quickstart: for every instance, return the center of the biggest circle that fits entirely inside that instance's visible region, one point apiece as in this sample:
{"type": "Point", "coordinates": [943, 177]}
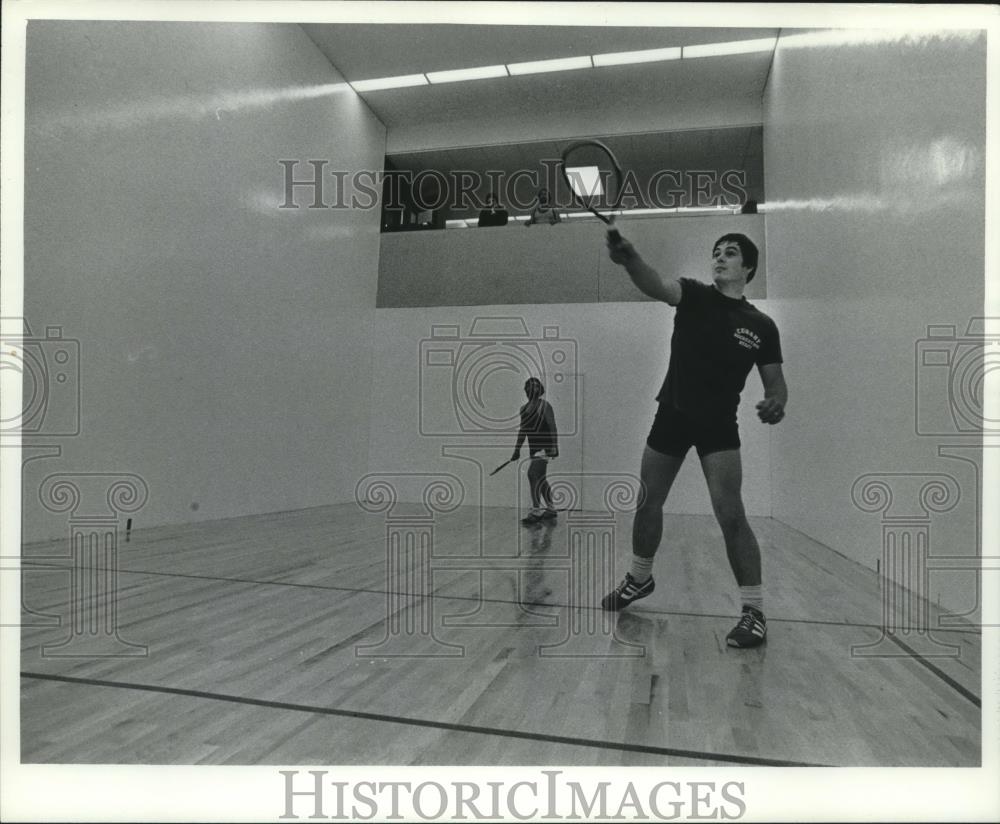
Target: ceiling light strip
{"type": "Point", "coordinates": [478, 73]}
{"type": "Point", "coordinates": [644, 56]}
{"type": "Point", "coordinates": [379, 83]}
{"type": "Point", "coordinates": [764, 44]}
{"type": "Point", "coordinates": [561, 64]}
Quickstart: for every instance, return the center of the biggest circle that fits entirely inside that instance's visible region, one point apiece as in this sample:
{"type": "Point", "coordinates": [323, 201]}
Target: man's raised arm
{"type": "Point", "coordinates": [645, 277]}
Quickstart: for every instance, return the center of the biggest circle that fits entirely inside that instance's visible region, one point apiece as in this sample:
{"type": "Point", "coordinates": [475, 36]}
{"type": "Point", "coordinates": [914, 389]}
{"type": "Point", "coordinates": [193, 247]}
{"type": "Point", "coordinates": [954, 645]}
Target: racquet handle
{"type": "Point", "coordinates": [614, 236]}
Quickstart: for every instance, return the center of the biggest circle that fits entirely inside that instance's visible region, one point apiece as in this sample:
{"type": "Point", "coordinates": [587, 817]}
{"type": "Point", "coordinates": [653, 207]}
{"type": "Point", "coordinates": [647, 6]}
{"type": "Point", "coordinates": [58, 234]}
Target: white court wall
{"type": "Point", "coordinates": [874, 166]}
{"type": "Point", "coordinates": [428, 417]}
{"type": "Point", "coordinates": [224, 343]}
{"type": "Point", "coordinates": [564, 263]}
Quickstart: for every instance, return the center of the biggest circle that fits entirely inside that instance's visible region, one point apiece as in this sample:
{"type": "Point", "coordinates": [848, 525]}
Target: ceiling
{"type": "Point", "coordinates": [364, 51]}
{"type": "Point", "coordinates": [669, 114]}
{"type": "Point", "coordinates": [632, 97]}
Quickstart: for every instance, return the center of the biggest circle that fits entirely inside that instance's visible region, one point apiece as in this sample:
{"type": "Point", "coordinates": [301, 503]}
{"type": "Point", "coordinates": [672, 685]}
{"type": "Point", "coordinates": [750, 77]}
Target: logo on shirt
{"type": "Point", "coordinates": [747, 338]}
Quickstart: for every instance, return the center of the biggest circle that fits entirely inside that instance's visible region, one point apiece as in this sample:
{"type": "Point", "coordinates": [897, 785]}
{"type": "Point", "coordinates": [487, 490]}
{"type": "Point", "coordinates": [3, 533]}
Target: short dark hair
{"type": "Point", "coordinates": [535, 382]}
{"type": "Point", "coordinates": [748, 250]}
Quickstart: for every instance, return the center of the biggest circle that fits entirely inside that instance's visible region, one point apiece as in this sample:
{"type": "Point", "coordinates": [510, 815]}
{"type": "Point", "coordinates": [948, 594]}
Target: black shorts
{"type": "Point", "coordinates": [542, 445]}
{"type": "Point", "coordinates": [674, 433]}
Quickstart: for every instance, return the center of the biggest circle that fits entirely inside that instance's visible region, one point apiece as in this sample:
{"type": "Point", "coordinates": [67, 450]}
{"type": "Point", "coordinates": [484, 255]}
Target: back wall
{"type": "Point", "coordinates": [465, 315]}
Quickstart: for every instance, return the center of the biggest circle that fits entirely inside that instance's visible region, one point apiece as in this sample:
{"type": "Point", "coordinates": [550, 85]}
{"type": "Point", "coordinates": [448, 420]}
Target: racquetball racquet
{"type": "Point", "coordinates": [594, 176]}
{"type": "Point", "coordinates": [494, 472]}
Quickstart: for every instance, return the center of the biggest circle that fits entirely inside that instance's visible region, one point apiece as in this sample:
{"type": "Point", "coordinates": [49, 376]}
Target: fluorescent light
{"type": "Point", "coordinates": [614, 213]}
{"type": "Point", "coordinates": [765, 44]}
{"type": "Point", "coordinates": [645, 56]}
{"type": "Point", "coordinates": [559, 65]}
{"type": "Point", "coordinates": [400, 82]}
{"type": "Point", "coordinates": [703, 209]}
{"type": "Point", "coordinates": [562, 64]}
{"type": "Point", "coordinates": [467, 74]}
{"type": "Point", "coordinates": [585, 181]}
{"type": "Point", "coordinates": [635, 212]}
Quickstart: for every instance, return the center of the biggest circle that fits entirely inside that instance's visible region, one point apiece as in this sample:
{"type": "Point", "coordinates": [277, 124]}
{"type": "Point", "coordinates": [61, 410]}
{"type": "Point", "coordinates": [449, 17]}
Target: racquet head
{"type": "Point", "coordinates": [594, 176]}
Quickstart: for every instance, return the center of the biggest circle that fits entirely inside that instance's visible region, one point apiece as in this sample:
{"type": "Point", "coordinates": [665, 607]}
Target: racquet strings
{"type": "Point", "coordinates": [594, 178]}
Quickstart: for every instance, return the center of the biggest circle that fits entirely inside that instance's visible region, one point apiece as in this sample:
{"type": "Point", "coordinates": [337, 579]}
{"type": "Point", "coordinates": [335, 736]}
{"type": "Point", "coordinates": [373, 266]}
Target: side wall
{"type": "Point", "coordinates": [874, 163]}
{"type": "Point", "coordinates": [221, 340]}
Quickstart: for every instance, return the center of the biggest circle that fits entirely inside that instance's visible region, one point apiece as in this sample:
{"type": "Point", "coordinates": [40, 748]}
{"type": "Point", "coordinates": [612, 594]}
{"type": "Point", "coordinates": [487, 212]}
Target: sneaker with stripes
{"type": "Point", "coordinates": [626, 592]}
{"type": "Point", "coordinates": [751, 631]}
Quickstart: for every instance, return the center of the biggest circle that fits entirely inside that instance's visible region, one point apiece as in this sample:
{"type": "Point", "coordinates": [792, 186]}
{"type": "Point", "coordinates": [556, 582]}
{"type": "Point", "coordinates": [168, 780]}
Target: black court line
{"type": "Point", "coordinates": [943, 676]}
{"type": "Point", "coordinates": [423, 722]}
{"type": "Point", "coordinates": [484, 599]}
{"type": "Point", "coordinates": [951, 682]}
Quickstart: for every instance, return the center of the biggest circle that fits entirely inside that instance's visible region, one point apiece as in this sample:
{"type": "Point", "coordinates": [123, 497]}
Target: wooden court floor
{"type": "Point", "coordinates": [328, 636]}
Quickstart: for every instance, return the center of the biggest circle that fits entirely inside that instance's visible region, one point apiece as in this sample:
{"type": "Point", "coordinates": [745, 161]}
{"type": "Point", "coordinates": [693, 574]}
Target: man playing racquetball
{"type": "Point", "coordinates": [718, 338]}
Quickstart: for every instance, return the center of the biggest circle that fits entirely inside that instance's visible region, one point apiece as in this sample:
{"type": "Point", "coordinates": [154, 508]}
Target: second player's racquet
{"type": "Point", "coordinates": [494, 472]}
{"type": "Point", "coordinates": [594, 176]}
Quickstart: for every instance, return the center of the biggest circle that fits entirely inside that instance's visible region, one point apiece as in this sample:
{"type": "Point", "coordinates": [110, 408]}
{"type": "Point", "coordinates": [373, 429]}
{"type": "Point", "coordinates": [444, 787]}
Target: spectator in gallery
{"type": "Point", "coordinates": [493, 214]}
{"type": "Point", "coordinates": [543, 211]}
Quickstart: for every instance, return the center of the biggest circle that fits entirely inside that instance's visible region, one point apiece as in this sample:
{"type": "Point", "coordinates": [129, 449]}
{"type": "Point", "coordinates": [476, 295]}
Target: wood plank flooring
{"type": "Point", "coordinates": [289, 638]}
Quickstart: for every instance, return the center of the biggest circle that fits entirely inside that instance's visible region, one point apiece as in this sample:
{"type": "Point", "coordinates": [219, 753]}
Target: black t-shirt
{"type": "Point", "coordinates": [490, 218]}
{"type": "Point", "coordinates": [717, 340]}
{"type": "Point", "coordinates": [538, 423]}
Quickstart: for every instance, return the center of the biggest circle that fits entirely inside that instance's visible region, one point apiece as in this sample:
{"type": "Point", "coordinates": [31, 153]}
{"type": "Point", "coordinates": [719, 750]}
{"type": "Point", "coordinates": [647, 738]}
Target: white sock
{"type": "Point", "coordinates": [642, 569]}
{"type": "Point", "coordinates": [752, 597]}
